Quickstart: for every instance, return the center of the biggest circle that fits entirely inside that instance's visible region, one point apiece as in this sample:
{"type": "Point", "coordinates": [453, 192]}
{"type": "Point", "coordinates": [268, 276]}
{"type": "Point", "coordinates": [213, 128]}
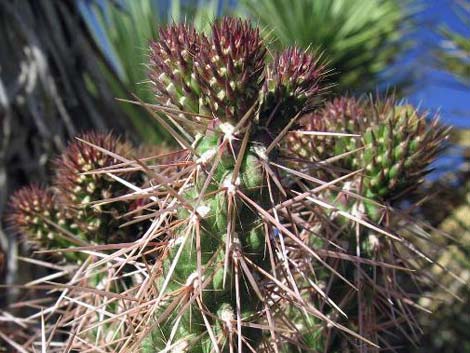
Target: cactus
{"type": "Point", "coordinates": [223, 231]}
{"type": "Point", "coordinates": [36, 213]}
{"type": "Point", "coordinates": [79, 210]}
{"type": "Point", "coordinates": [392, 144]}
{"type": "Point", "coordinates": [393, 148]}
{"type": "Point", "coordinates": [63, 215]}
{"type": "Point", "coordinates": [252, 238]}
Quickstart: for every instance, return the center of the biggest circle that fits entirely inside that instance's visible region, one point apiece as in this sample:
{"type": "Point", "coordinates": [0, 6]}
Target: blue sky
{"type": "Point", "coordinates": [436, 89]}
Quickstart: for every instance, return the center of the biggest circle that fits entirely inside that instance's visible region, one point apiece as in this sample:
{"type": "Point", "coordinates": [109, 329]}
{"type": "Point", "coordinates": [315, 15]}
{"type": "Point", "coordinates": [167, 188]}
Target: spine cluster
{"type": "Point", "coordinates": [68, 212]}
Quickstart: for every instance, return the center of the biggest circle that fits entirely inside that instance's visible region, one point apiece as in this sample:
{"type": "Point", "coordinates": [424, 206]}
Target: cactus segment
{"type": "Point", "coordinates": [394, 147]}
{"type": "Point", "coordinates": [63, 215]}
{"type": "Point", "coordinates": [36, 214]}
{"type": "Point", "coordinates": [292, 86]}
{"type": "Point", "coordinates": [78, 190]}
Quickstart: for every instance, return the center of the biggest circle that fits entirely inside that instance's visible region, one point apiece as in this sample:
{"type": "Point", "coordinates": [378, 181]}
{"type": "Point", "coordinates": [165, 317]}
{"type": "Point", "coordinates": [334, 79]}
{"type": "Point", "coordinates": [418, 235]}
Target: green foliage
{"type": "Point", "coordinates": [455, 52]}
{"type": "Point", "coordinates": [358, 39]}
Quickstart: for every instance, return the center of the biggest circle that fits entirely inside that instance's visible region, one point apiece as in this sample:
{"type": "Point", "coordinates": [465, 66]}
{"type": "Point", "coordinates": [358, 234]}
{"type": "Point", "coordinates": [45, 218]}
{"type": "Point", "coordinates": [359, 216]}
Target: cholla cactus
{"type": "Point", "coordinates": [396, 143]}
{"type": "Point", "coordinates": [245, 252]}
{"type": "Point", "coordinates": [223, 232]}
{"type": "Point", "coordinates": [292, 85]}
{"type": "Point", "coordinates": [393, 148]}
{"type": "Point", "coordinates": [77, 190]}
{"type": "Point", "coordinates": [64, 215]}
{"type": "Point", "coordinates": [172, 60]}
{"type": "Point", "coordinates": [79, 210]}
{"type": "Point", "coordinates": [36, 214]}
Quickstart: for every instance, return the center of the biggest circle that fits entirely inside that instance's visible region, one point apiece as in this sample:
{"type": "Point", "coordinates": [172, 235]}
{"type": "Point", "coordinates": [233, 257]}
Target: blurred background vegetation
{"type": "Point", "coordinates": [63, 63]}
{"type": "Point", "coordinates": [448, 208]}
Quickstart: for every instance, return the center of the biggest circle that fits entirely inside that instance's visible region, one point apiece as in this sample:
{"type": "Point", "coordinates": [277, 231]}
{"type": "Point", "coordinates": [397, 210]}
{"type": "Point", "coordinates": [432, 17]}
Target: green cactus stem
{"type": "Point", "coordinates": [292, 85]}
{"type": "Point", "coordinates": [222, 226]}
{"type": "Point", "coordinates": [393, 148]}
{"type": "Point", "coordinates": [393, 145]}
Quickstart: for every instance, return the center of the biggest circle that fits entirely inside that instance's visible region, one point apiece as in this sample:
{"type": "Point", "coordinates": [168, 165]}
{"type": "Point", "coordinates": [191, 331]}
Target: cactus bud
{"type": "Point", "coordinates": [230, 69]}
{"type": "Point", "coordinates": [397, 143]}
{"type": "Point", "coordinates": [291, 86]}
{"type": "Point", "coordinates": [35, 213]}
{"type": "Point", "coordinates": [172, 60]}
{"type": "Point", "coordinates": [77, 190]}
